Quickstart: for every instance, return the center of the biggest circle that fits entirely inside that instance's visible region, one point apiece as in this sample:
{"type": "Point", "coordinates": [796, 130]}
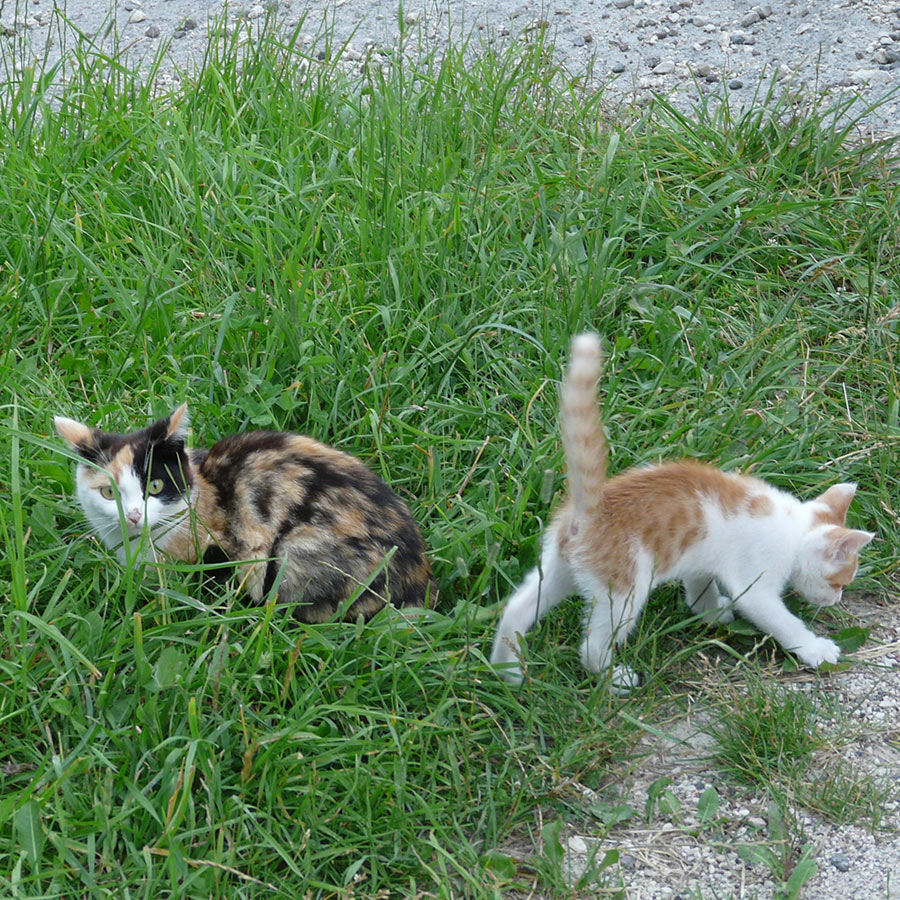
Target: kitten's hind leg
{"type": "Point", "coordinates": [610, 616]}
{"type": "Point", "coordinates": [702, 595]}
{"type": "Point", "coordinates": [545, 587]}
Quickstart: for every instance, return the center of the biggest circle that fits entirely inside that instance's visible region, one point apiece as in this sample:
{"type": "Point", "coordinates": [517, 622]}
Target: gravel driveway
{"type": "Point", "coordinates": [680, 46]}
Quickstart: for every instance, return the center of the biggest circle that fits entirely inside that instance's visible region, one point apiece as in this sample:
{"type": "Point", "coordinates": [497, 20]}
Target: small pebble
{"type": "Point", "coordinates": [886, 57]}
{"type": "Point", "coordinates": [840, 862]}
{"type": "Point", "coordinates": [735, 84]}
{"type": "Point", "coordinates": [152, 32]}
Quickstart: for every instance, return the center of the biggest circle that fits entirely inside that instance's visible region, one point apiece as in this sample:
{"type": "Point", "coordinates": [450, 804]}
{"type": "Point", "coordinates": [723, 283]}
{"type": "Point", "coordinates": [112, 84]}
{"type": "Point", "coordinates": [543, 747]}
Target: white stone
{"type": "Point", "coordinates": [577, 844]}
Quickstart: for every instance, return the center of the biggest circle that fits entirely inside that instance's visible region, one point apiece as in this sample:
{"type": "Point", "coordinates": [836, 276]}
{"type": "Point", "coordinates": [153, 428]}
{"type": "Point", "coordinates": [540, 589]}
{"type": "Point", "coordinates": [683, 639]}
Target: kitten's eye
{"type": "Point", "coordinates": [107, 493]}
{"type": "Point", "coordinates": [155, 486]}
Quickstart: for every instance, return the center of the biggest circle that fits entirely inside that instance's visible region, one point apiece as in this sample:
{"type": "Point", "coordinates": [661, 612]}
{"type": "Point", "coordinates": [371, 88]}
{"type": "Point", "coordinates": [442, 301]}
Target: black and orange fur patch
{"type": "Point", "coordinates": [292, 515]}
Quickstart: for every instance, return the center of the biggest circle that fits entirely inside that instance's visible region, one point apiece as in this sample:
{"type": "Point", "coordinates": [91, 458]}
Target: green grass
{"type": "Point", "coordinates": [769, 734]}
{"type": "Point", "coordinates": [393, 263]}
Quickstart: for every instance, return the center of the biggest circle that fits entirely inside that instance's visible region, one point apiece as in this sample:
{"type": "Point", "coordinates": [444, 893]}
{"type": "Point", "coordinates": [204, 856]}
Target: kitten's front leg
{"type": "Point", "coordinates": [702, 595]}
{"type": "Point", "coordinates": [768, 613]}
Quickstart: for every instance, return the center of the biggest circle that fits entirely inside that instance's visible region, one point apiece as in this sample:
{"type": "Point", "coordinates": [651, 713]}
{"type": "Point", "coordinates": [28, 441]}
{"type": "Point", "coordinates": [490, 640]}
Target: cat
{"type": "Point", "coordinates": [290, 513]}
{"type": "Point", "coordinates": [614, 540]}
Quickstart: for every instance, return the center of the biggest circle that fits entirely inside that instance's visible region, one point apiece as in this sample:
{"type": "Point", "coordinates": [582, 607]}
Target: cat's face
{"type": "Point", "coordinates": [127, 483]}
{"type": "Point", "coordinates": [830, 554]}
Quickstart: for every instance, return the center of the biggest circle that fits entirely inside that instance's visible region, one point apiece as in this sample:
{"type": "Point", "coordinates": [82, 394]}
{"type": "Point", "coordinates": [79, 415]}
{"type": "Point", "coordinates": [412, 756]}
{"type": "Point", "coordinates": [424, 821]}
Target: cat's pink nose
{"type": "Point", "coordinates": [133, 516]}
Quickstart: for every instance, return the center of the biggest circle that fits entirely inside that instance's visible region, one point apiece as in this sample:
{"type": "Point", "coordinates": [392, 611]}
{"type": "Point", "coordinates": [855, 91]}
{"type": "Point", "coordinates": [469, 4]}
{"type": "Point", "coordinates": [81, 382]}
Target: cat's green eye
{"type": "Point", "coordinates": [107, 493]}
{"type": "Point", "coordinates": [155, 486]}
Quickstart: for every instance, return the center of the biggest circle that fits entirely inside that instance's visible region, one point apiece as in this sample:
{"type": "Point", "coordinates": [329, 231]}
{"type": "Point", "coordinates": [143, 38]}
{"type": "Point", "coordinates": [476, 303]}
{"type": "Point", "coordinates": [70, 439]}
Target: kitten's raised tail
{"type": "Point", "coordinates": [582, 431]}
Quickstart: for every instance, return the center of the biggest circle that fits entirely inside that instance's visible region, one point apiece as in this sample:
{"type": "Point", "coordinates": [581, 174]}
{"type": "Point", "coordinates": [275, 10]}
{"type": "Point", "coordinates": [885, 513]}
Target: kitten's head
{"type": "Point", "coordinates": [126, 482]}
{"type": "Point", "coordinates": [830, 554]}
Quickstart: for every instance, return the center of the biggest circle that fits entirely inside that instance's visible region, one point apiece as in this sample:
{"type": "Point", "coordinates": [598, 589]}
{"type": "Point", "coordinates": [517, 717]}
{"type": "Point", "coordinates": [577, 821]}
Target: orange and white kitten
{"type": "Point", "coordinates": [613, 541]}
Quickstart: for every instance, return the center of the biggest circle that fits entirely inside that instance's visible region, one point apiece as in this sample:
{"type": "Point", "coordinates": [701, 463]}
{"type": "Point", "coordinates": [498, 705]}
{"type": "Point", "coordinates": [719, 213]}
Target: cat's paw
{"type": "Point", "coordinates": [817, 651]}
{"type": "Point", "coordinates": [721, 615]}
{"type": "Point", "coordinates": [624, 680]}
{"type": "Point", "coordinates": [510, 672]}
{"type": "Point", "coordinates": [506, 660]}
{"type": "Point", "coordinates": [595, 655]}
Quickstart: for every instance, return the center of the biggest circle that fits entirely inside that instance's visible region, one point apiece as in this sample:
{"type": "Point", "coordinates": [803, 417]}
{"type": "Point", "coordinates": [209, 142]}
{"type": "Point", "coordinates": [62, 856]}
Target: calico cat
{"type": "Point", "coordinates": [286, 509]}
{"type": "Point", "coordinates": [614, 540]}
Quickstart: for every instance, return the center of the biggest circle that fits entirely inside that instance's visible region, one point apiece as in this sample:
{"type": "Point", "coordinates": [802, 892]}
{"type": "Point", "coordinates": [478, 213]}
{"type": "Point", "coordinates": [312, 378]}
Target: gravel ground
{"type": "Point", "coordinates": [678, 857]}
{"type": "Point", "coordinates": [679, 48]}
{"type": "Point", "coordinates": [675, 47]}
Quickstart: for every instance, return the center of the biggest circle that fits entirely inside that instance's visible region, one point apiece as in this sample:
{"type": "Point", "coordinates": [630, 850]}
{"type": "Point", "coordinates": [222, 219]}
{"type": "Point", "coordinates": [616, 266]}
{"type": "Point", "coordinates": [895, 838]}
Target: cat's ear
{"type": "Point", "coordinates": [178, 423]}
{"type": "Point", "coordinates": [837, 498]}
{"type": "Point", "coordinates": [75, 434]}
{"type": "Point", "coordinates": [847, 542]}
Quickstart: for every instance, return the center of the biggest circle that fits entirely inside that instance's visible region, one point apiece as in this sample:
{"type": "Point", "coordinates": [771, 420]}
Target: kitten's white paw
{"type": "Point", "coordinates": [595, 655]}
{"type": "Point", "coordinates": [725, 612]}
{"type": "Point", "coordinates": [506, 661]}
{"type": "Point", "coordinates": [509, 672]}
{"type": "Point", "coordinates": [722, 615]}
{"type": "Point", "coordinates": [819, 650]}
{"type": "Point", "coordinates": [624, 680]}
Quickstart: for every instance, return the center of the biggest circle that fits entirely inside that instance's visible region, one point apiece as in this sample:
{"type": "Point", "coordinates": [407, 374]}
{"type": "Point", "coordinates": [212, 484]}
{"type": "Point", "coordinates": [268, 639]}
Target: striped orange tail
{"type": "Point", "coordinates": [582, 431]}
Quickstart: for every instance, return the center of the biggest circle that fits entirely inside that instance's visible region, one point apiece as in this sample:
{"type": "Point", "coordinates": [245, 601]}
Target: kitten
{"type": "Point", "coordinates": [614, 541]}
{"type": "Point", "coordinates": [286, 509]}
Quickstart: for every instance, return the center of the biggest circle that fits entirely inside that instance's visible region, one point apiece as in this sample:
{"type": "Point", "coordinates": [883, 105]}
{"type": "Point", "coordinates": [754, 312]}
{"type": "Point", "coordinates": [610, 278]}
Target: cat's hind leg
{"type": "Point", "coordinates": [610, 616]}
{"type": "Point", "coordinates": [703, 598]}
{"type": "Point", "coordinates": [544, 587]}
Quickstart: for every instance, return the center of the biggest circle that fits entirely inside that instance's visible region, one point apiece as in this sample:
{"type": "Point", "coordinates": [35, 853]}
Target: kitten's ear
{"type": "Point", "coordinates": [75, 434]}
{"type": "Point", "coordinates": [847, 543]}
{"type": "Point", "coordinates": [837, 498]}
{"type": "Point", "coordinates": [178, 423]}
